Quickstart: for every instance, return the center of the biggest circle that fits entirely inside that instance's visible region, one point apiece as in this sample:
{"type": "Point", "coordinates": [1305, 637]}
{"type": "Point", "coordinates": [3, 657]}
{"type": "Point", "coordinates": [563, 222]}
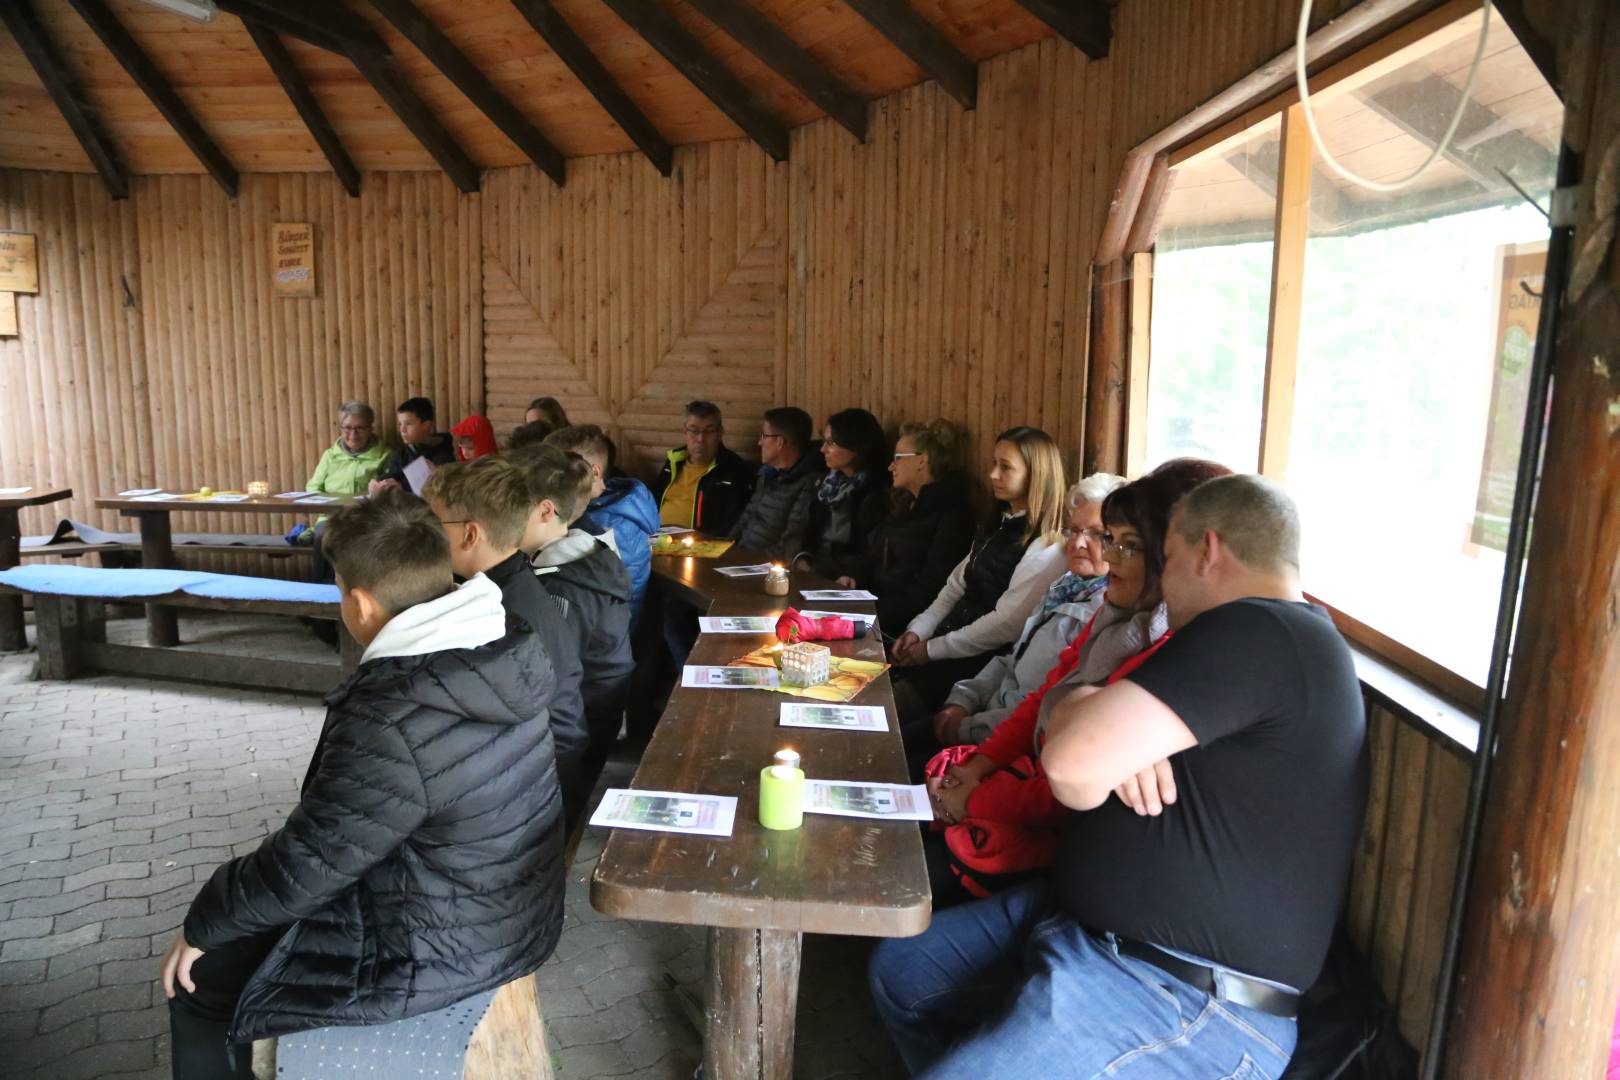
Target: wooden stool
{"type": "Point", "coordinates": [510, 1043]}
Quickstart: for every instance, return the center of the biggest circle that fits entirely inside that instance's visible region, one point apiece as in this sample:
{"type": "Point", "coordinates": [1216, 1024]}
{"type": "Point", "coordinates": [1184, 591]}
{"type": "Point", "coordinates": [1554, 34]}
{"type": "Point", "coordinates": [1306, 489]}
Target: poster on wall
{"type": "Point", "coordinates": [8, 314]}
{"type": "Point", "coordinates": [292, 246]}
{"type": "Point", "coordinates": [19, 263]}
{"type": "Point", "coordinates": [1520, 272]}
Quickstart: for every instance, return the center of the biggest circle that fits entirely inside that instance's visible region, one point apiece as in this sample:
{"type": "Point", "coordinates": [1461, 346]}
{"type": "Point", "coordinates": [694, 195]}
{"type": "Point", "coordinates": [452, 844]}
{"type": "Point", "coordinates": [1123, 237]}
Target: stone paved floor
{"type": "Point", "coordinates": [118, 797]}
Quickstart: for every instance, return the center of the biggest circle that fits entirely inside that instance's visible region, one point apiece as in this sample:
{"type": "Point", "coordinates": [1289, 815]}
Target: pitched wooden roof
{"type": "Point", "coordinates": [219, 73]}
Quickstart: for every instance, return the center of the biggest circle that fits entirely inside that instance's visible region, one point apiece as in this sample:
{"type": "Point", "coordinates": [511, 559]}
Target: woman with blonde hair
{"type": "Point", "coordinates": [1016, 557]}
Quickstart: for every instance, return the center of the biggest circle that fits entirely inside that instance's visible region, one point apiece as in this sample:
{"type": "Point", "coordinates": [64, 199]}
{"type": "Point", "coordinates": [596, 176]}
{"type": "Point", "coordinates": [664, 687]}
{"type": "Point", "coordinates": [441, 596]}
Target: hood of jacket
{"type": "Point", "coordinates": [627, 499]}
{"type": "Point", "coordinates": [463, 618]}
{"type": "Point", "coordinates": [586, 562]}
{"type": "Point", "coordinates": [808, 465]}
{"type": "Point", "coordinates": [482, 434]}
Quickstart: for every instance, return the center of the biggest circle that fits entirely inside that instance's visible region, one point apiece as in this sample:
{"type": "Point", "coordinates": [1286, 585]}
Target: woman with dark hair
{"type": "Point", "coordinates": [853, 495]}
{"type": "Point", "coordinates": [1010, 829]}
{"type": "Point", "coordinates": [928, 528]}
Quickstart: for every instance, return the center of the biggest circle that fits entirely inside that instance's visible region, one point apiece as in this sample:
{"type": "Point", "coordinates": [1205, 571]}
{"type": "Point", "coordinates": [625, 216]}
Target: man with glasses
{"type": "Point", "coordinates": [779, 511]}
{"type": "Point", "coordinates": [703, 484]}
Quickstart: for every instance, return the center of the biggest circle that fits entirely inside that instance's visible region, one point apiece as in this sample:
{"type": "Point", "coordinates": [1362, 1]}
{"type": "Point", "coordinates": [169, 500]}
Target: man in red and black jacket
{"type": "Point", "coordinates": [703, 485]}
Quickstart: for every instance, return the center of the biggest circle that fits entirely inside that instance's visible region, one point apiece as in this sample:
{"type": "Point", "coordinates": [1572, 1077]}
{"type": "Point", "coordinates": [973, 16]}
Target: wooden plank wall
{"type": "Point", "coordinates": [943, 267]}
{"type": "Point", "coordinates": [201, 375]}
{"type": "Point", "coordinates": [1400, 886]}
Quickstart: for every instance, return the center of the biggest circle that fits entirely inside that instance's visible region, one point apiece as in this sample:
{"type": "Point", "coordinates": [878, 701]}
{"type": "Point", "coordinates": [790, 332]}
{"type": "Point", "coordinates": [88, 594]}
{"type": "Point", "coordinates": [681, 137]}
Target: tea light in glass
{"type": "Point", "coordinates": [806, 664]}
{"type": "Point", "coordinates": [776, 580]}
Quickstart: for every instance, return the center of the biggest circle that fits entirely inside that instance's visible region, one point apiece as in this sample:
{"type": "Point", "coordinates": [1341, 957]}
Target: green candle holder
{"type": "Point", "coordinates": [781, 794]}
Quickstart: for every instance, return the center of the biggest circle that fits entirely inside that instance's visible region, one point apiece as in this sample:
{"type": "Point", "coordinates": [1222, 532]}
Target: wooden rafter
{"type": "Point", "coordinates": [453, 64]}
{"type": "Point", "coordinates": [928, 48]}
{"type": "Point", "coordinates": [309, 110]}
{"type": "Point", "coordinates": [1085, 24]}
{"type": "Point", "coordinates": [573, 52]}
{"type": "Point", "coordinates": [139, 66]}
{"type": "Point", "coordinates": [383, 73]}
{"type": "Point", "coordinates": [783, 55]}
{"type": "Point", "coordinates": [21, 21]}
{"type": "Point", "coordinates": [687, 55]}
{"type": "Point", "coordinates": [324, 23]}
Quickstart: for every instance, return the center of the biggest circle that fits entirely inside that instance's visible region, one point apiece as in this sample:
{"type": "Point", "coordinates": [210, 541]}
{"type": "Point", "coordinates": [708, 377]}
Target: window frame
{"type": "Point", "coordinates": [1134, 234]}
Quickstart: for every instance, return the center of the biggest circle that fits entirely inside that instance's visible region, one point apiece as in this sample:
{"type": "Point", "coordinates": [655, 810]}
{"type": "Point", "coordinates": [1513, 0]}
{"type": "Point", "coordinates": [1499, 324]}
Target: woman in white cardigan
{"type": "Point", "coordinates": [1016, 557]}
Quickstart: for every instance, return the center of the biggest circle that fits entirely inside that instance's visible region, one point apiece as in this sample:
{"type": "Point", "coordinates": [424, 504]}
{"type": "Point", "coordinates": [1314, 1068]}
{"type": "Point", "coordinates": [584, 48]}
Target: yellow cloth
{"type": "Point", "coordinates": [680, 498]}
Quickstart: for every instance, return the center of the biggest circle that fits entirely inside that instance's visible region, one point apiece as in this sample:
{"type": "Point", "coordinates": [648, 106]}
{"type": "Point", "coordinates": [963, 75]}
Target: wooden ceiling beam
{"type": "Point", "coordinates": [309, 110]}
{"type": "Point", "coordinates": [323, 23]}
{"type": "Point", "coordinates": [687, 55]}
{"type": "Point", "coordinates": [36, 45]}
{"type": "Point", "coordinates": [453, 64]}
{"type": "Point", "coordinates": [573, 52]}
{"type": "Point", "coordinates": [1085, 24]}
{"type": "Point", "coordinates": [383, 73]}
{"type": "Point", "coordinates": [139, 66]}
{"type": "Point", "coordinates": [783, 55]}
{"type": "Point", "coordinates": [925, 45]}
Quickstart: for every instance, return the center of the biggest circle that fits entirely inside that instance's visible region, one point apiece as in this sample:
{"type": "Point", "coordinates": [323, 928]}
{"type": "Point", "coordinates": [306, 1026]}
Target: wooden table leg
{"type": "Point", "coordinates": [753, 996]}
{"type": "Point", "coordinates": [13, 638]}
{"type": "Point", "coordinates": [157, 553]}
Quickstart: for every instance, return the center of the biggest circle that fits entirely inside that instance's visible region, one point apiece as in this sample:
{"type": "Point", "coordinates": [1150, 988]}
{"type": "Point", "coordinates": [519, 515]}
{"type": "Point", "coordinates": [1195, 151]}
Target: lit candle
{"type": "Point", "coordinates": [781, 792]}
{"type": "Point", "coordinates": [776, 580]}
{"type": "Point", "coordinates": [686, 541]}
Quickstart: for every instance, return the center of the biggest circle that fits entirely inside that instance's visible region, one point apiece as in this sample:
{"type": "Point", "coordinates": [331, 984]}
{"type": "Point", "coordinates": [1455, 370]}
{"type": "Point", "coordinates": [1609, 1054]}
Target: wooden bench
{"type": "Point", "coordinates": [71, 635]}
{"type": "Point", "coordinates": [75, 549]}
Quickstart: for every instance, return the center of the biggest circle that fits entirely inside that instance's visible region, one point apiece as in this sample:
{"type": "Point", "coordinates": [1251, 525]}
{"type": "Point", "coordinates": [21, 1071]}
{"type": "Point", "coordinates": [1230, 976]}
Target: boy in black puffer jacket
{"type": "Point", "coordinates": [582, 571]}
{"type": "Point", "coordinates": [423, 862]}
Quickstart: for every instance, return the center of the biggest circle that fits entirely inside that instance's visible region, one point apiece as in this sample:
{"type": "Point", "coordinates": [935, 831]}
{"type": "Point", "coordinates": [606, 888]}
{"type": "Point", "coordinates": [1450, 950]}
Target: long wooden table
{"type": "Point", "coordinates": [13, 638]}
{"type": "Point", "coordinates": [157, 539]}
{"type": "Point", "coordinates": [758, 891]}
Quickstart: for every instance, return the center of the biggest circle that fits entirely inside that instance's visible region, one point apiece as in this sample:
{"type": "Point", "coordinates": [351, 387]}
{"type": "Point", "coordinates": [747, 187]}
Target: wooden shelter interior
{"type": "Point", "coordinates": [921, 217]}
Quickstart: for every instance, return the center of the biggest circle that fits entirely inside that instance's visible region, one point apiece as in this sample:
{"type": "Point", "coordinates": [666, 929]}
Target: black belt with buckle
{"type": "Point", "coordinates": [1250, 993]}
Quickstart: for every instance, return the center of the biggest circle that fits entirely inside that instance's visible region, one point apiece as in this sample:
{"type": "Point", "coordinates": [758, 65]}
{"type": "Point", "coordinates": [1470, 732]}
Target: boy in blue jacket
{"type": "Point", "coordinates": [622, 505]}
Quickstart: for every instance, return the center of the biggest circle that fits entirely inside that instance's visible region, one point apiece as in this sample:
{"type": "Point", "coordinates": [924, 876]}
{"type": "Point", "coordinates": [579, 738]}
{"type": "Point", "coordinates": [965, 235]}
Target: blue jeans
{"type": "Point", "coordinates": [1007, 987]}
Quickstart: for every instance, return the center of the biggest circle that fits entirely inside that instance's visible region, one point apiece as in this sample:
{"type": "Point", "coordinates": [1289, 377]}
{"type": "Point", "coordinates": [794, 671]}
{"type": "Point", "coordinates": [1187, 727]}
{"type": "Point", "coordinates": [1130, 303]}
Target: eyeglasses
{"type": "Point", "coordinates": [1116, 551]}
{"type": "Point", "coordinates": [700, 432]}
{"type": "Point", "coordinates": [898, 454]}
{"type": "Point", "coordinates": [769, 435]}
{"type": "Point", "coordinates": [829, 441]}
{"type": "Point", "coordinates": [354, 427]}
{"type": "Point", "coordinates": [1089, 536]}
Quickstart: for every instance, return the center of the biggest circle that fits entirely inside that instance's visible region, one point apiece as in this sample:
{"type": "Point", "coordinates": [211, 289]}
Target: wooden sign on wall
{"type": "Point", "coordinates": [292, 252]}
{"type": "Point", "coordinates": [19, 263]}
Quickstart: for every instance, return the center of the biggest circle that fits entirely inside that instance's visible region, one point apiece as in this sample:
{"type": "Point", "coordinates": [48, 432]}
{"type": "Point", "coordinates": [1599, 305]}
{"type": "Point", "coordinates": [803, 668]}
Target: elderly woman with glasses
{"type": "Point", "coordinates": [999, 784]}
{"type": "Point", "coordinates": [350, 464]}
{"type": "Point", "coordinates": [976, 706]}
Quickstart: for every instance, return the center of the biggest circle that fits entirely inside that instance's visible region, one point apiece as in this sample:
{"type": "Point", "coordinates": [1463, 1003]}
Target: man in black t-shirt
{"type": "Point", "coordinates": [1183, 917]}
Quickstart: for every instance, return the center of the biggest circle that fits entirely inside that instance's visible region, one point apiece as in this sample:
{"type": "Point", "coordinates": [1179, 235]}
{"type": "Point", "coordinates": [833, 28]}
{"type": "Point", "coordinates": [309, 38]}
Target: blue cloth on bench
{"type": "Point", "coordinates": [132, 584]}
{"type": "Point", "coordinates": [89, 534]}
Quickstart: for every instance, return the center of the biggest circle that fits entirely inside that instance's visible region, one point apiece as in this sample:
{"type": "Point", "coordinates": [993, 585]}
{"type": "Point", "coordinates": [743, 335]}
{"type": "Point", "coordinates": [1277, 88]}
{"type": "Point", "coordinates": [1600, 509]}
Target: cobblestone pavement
{"type": "Point", "coordinates": [119, 796]}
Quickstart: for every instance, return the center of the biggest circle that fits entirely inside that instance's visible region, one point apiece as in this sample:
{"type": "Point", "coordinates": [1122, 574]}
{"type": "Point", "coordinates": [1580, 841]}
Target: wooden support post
{"type": "Point", "coordinates": [751, 1003]}
{"type": "Point", "coordinates": [1138, 356]}
{"type": "Point", "coordinates": [1539, 969]}
{"type": "Point", "coordinates": [13, 632]}
{"type": "Point", "coordinates": [56, 632]}
{"type": "Point", "coordinates": [157, 553]}
{"type": "Point", "coordinates": [1085, 24]}
{"type": "Point", "coordinates": [1105, 397]}
{"type": "Point", "coordinates": [1287, 295]}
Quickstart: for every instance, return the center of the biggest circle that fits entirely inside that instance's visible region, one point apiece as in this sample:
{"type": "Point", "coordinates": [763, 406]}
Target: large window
{"type": "Point", "coordinates": [1367, 348]}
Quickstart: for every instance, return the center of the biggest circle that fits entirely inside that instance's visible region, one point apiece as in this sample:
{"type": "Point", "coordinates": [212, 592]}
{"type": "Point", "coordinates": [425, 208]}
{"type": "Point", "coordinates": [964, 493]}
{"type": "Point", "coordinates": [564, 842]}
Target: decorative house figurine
{"type": "Point", "coordinates": [805, 664]}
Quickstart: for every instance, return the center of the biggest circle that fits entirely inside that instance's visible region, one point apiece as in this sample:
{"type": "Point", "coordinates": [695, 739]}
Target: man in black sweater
{"type": "Point", "coordinates": [435, 765]}
{"type": "Point", "coordinates": [484, 506]}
